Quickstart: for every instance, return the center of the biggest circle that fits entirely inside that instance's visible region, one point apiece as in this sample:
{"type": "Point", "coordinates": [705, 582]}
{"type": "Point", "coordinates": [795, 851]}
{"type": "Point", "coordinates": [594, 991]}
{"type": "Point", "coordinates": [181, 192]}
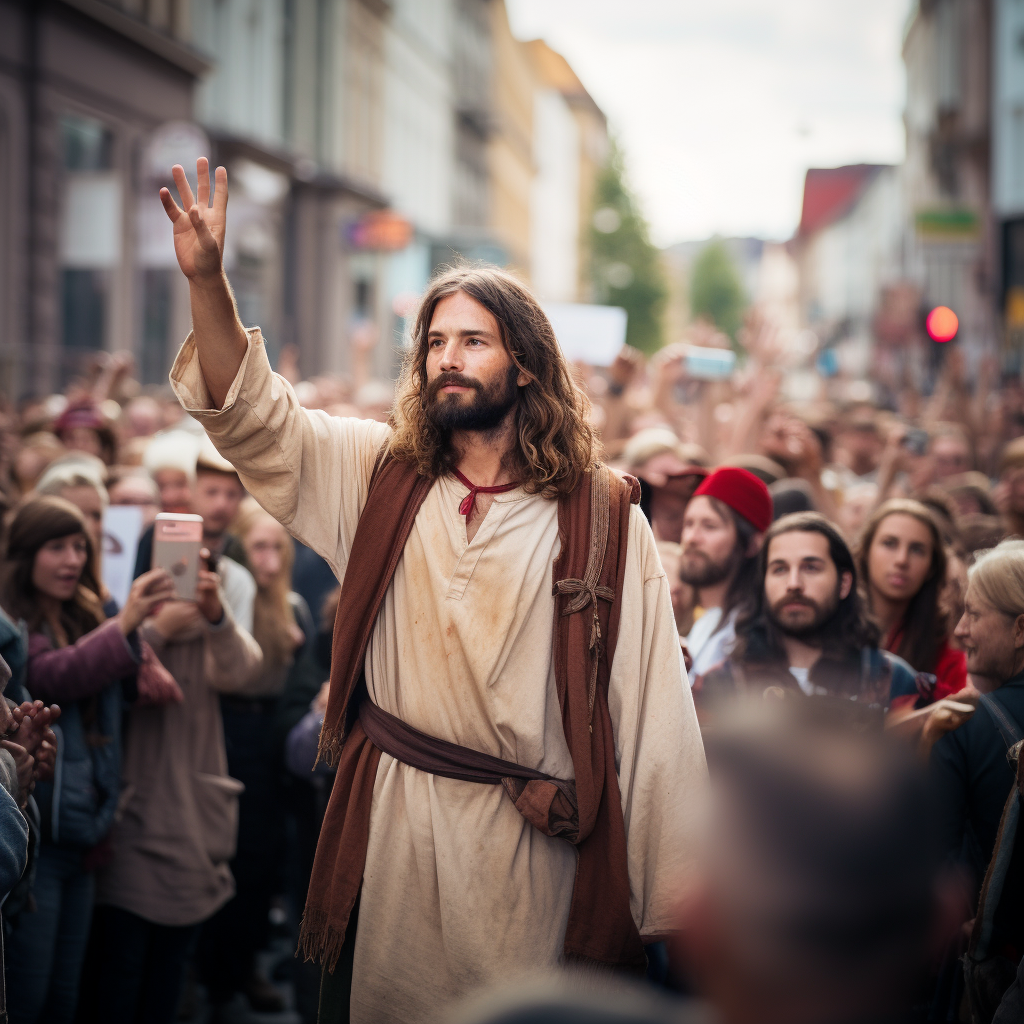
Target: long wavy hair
{"type": "Point", "coordinates": [36, 522]}
{"type": "Point", "coordinates": [925, 626]}
{"type": "Point", "coordinates": [758, 638]}
{"type": "Point", "coordinates": [273, 615]}
{"type": "Point", "coordinates": [555, 443]}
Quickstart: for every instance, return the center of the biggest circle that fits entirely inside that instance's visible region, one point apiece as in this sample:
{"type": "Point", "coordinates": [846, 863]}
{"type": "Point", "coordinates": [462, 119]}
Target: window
{"type": "Point", "coordinates": [90, 233]}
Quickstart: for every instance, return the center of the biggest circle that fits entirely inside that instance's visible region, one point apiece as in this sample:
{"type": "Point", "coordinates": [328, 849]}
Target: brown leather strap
{"type": "Point", "coordinates": [549, 804]}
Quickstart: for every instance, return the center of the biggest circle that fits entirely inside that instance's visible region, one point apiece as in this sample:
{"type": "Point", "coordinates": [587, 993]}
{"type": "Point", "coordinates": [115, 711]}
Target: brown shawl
{"type": "Point", "coordinates": [587, 588]}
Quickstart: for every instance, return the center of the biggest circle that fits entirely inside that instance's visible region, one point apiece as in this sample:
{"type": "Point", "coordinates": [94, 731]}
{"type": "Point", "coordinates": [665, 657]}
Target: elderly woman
{"type": "Point", "coordinates": [969, 765]}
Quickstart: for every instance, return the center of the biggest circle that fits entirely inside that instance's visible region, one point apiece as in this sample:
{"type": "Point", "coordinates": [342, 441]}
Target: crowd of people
{"type": "Point", "coordinates": [160, 791]}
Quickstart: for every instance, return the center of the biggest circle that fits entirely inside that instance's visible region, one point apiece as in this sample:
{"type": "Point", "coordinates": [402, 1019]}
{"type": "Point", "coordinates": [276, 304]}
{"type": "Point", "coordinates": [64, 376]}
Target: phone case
{"type": "Point", "coordinates": [177, 540]}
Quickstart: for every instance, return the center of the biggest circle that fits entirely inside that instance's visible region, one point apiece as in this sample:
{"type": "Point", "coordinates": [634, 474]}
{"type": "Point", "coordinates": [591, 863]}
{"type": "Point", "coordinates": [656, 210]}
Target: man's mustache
{"type": "Point", "coordinates": [796, 599]}
{"type": "Point", "coordinates": [451, 377]}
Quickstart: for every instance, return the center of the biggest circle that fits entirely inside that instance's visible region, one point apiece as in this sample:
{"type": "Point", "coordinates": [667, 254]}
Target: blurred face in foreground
{"type": "Point", "coordinates": [265, 550]}
{"type": "Point", "coordinates": [951, 455]}
{"type": "Point", "coordinates": [802, 587]}
{"type": "Point", "coordinates": [82, 439]}
{"type": "Point", "coordinates": [993, 640]}
{"type": "Point", "coordinates": [1014, 483]}
{"type": "Point", "coordinates": [175, 490]}
{"type": "Point", "coordinates": [87, 500]}
{"type": "Point", "coordinates": [58, 566]}
{"type": "Point", "coordinates": [471, 379]}
{"type": "Point", "coordinates": [709, 544]}
{"type": "Point", "coordinates": [138, 492]}
{"type": "Point", "coordinates": [672, 489]}
{"type": "Point", "coordinates": [900, 557]}
{"type": "Point", "coordinates": [218, 496]}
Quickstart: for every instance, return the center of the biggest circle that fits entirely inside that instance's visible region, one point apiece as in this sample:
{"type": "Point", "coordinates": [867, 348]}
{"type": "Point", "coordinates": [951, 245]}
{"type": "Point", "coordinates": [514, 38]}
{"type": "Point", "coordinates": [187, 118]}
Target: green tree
{"type": "Point", "coordinates": [716, 291]}
{"type": "Point", "coordinates": [625, 267]}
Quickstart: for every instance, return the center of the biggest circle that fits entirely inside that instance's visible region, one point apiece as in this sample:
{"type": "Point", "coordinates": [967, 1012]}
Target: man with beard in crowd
{"type": "Point", "coordinates": [807, 630]}
{"type": "Point", "coordinates": [206, 484]}
{"type": "Point", "coordinates": [723, 530]}
{"type": "Point", "coordinates": [520, 752]}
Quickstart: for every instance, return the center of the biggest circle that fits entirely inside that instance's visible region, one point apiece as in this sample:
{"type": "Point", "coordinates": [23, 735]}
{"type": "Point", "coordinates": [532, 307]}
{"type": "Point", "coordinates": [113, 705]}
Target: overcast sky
{"type": "Point", "coordinates": [721, 105]}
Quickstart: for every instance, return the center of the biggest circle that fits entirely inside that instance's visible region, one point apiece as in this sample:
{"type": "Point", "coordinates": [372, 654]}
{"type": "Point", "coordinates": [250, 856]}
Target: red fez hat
{"type": "Point", "coordinates": [743, 492]}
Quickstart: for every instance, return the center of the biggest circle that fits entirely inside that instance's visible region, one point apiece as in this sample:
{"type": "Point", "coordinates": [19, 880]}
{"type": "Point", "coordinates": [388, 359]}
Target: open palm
{"type": "Point", "coordinates": [199, 227]}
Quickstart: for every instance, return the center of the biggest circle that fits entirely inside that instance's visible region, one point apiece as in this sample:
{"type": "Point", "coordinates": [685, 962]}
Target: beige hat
{"type": "Point", "coordinates": [210, 458]}
{"type": "Point", "coordinates": [645, 444]}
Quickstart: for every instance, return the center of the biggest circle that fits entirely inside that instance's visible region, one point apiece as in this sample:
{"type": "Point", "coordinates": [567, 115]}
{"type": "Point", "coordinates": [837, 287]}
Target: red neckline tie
{"type": "Point", "coordinates": [469, 501]}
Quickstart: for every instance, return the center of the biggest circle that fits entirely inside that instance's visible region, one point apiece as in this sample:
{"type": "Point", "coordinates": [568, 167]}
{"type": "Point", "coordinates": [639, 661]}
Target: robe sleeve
{"type": "Point", "coordinates": [659, 751]}
{"type": "Point", "coordinates": [310, 471]}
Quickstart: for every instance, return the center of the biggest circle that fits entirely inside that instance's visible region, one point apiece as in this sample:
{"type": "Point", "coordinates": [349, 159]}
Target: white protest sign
{"type": "Point", "coordinates": [588, 334]}
{"type": "Point", "coordinates": [122, 527]}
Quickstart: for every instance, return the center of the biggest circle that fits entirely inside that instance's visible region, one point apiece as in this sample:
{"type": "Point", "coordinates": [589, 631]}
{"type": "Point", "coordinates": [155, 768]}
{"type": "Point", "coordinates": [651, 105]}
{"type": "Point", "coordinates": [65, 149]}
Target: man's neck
{"type": "Point", "coordinates": [714, 597]}
{"type": "Point", "coordinates": [888, 614]}
{"type": "Point", "coordinates": [481, 454]}
{"type": "Point", "coordinates": [798, 653]}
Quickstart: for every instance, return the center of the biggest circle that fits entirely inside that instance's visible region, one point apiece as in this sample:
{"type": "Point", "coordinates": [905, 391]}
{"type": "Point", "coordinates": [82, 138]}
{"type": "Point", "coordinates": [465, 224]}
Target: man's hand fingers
{"type": "Point", "coordinates": [203, 232]}
{"type": "Point", "coordinates": [171, 208]}
{"type": "Point", "coordinates": [220, 193]}
{"type": "Point", "coordinates": [184, 188]}
{"type": "Point", "coordinates": [203, 177]}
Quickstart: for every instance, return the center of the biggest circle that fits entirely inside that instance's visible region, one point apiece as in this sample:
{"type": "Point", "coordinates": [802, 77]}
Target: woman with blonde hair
{"type": "Point", "coordinates": [283, 627]}
{"type": "Point", "coordinates": [901, 561]}
{"type": "Point", "coordinates": [972, 774]}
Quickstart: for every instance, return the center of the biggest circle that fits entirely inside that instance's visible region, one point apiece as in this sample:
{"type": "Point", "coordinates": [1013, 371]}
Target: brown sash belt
{"type": "Point", "coordinates": [547, 803]}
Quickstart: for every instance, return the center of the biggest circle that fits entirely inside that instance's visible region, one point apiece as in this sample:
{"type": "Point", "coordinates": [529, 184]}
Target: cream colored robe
{"type": "Point", "coordinates": [459, 891]}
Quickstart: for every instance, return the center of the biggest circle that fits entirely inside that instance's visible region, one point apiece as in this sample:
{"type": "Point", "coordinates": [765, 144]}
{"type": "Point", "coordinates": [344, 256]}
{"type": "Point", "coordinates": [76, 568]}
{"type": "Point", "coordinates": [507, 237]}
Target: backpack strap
{"type": "Point", "coordinates": [586, 591]}
{"type": "Point", "coordinates": [1005, 722]}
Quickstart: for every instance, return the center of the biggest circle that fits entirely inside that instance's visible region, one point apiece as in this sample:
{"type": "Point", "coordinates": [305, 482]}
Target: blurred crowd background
{"type": "Point", "coordinates": [874, 356]}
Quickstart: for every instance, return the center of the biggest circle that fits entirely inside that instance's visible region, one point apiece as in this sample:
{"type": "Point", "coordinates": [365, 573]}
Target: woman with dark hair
{"type": "Point", "coordinates": [901, 560]}
{"type": "Point", "coordinates": [76, 658]}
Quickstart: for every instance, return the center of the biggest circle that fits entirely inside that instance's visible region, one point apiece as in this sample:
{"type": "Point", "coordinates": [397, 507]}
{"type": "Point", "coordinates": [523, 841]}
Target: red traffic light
{"type": "Point", "coordinates": [942, 324]}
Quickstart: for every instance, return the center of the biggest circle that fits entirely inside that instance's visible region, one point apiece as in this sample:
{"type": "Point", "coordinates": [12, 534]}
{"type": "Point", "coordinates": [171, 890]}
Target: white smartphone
{"type": "Point", "coordinates": [177, 539]}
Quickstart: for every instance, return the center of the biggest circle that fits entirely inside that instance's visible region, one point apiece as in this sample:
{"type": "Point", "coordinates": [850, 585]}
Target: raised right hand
{"type": "Point", "coordinates": [199, 227]}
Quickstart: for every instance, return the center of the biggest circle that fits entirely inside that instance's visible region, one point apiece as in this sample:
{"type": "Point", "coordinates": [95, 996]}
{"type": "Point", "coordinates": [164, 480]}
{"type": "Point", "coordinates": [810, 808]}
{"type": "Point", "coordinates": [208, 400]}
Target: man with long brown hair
{"type": "Point", "coordinates": [515, 743]}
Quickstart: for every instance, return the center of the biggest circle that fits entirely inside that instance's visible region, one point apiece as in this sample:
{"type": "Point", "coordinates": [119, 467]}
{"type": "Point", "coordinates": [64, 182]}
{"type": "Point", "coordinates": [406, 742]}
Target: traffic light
{"type": "Point", "coordinates": [941, 324]}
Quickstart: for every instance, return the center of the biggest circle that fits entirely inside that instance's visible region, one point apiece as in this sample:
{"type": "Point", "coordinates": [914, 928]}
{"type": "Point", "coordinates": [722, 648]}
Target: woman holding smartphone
{"type": "Point", "coordinates": [901, 560]}
{"type": "Point", "coordinates": [77, 658]}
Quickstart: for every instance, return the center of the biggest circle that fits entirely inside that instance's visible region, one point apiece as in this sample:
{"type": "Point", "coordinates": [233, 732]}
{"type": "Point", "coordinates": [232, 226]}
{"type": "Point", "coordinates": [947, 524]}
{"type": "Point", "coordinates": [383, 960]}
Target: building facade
{"type": "Point", "coordinates": [367, 143]}
{"type": "Point", "coordinates": [950, 245]}
{"type": "Point", "coordinates": [83, 87]}
{"type": "Point", "coordinates": [1008, 166]}
{"type": "Point", "coordinates": [570, 139]}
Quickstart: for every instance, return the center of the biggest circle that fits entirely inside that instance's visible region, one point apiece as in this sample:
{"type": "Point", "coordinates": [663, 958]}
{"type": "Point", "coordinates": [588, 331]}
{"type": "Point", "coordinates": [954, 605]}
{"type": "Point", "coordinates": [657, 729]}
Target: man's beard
{"type": "Point", "coordinates": [487, 410]}
{"type": "Point", "coordinates": [697, 569]}
{"type": "Point", "coordinates": [808, 629]}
